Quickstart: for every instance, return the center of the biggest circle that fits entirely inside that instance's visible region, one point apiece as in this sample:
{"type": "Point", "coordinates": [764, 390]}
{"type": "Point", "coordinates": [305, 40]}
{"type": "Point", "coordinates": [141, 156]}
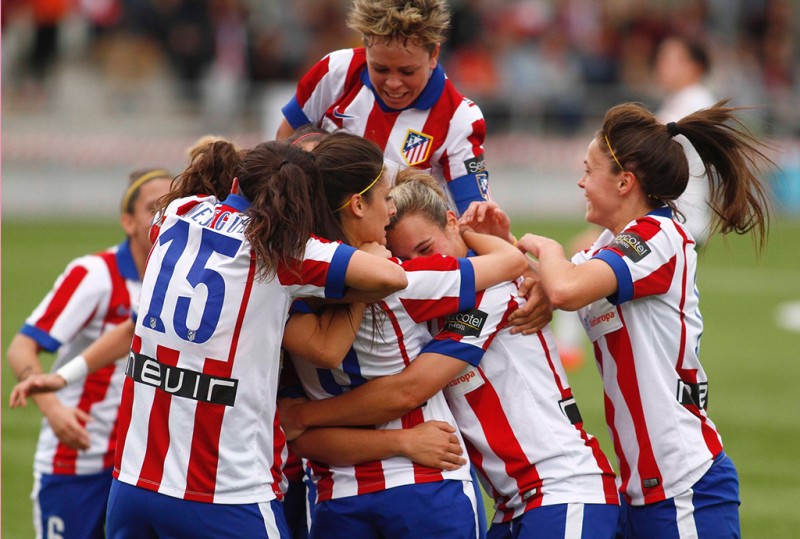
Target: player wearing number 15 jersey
{"type": "Point", "coordinates": [198, 404]}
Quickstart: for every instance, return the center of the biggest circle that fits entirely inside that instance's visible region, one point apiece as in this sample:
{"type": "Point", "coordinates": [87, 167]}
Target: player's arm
{"type": "Point", "coordinates": [569, 286]}
{"type": "Point", "coordinates": [109, 347]}
{"type": "Point", "coordinates": [285, 130]}
{"type": "Point", "coordinates": [67, 423]}
{"type": "Point", "coordinates": [432, 443]}
{"type": "Point", "coordinates": [487, 217]}
{"type": "Point", "coordinates": [323, 338]}
{"type": "Point", "coordinates": [377, 401]}
{"type": "Point", "coordinates": [372, 276]}
{"type": "Point", "coordinates": [498, 260]}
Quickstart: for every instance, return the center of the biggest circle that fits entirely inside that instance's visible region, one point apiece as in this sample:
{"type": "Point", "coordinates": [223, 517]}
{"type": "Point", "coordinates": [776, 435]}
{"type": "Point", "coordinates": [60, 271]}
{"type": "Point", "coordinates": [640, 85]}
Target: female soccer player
{"type": "Point", "coordinates": [635, 293]}
{"type": "Point", "coordinates": [72, 464]}
{"type": "Point", "coordinates": [394, 92]}
{"type": "Point", "coordinates": [394, 497]}
{"type": "Point", "coordinates": [508, 392]}
{"type": "Point", "coordinates": [196, 419]}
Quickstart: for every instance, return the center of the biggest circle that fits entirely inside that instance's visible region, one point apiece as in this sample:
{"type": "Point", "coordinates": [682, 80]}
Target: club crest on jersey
{"type": "Point", "coordinates": [632, 245]}
{"type": "Point", "coordinates": [416, 147]}
{"type": "Point", "coordinates": [468, 324]}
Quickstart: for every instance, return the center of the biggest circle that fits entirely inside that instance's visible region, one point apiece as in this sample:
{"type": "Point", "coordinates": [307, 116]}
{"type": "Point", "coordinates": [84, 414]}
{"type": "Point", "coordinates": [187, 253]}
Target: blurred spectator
{"type": "Point", "coordinates": [47, 18]}
{"type": "Point", "coordinates": [681, 67]}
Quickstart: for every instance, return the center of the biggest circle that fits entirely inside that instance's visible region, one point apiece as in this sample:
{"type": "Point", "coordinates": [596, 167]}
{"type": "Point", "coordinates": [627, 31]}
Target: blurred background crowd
{"type": "Point", "coordinates": [536, 67]}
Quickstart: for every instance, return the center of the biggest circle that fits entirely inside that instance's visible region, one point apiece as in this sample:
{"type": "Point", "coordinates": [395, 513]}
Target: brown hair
{"type": "Point", "coordinates": [348, 164]}
{"type": "Point", "coordinates": [281, 182]}
{"type": "Point", "coordinates": [423, 22]}
{"type": "Point", "coordinates": [211, 170]}
{"type": "Point", "coordinates": [730, 152]}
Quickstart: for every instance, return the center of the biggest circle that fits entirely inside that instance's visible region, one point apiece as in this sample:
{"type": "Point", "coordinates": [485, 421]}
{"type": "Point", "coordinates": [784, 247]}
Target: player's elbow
{"type": "Point", "coordinates": [563, 297]}
{"type": "Point", "coordinates": [328, 356]}
{"type": "Point", "coordinates": [408, 399]}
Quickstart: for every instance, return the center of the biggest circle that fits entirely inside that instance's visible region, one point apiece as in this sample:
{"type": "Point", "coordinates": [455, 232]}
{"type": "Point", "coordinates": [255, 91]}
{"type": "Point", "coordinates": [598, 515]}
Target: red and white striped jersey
{"type": "Point", "coordinates": [442, 132]}
{"type": "Point", "coordinates": [437, 286]}
{"type": "Point", "coordinates": [646, 341]}
{"type": "Point", "coordinates": [93, 295]}
{"type": "Point", "coordinates": [517, 414]}
{"type": "Point", "coordinates": [198, 405]}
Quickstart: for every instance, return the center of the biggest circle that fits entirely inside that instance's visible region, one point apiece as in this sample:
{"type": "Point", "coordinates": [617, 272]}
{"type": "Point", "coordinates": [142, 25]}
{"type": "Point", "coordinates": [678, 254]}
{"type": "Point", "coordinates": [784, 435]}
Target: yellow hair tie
{"type": "Point", "coordinates": [141, 180]}
{"type": "Point", "coordinates": [612, 152]}
{"type": "Point", "coordinates": [367, 188]}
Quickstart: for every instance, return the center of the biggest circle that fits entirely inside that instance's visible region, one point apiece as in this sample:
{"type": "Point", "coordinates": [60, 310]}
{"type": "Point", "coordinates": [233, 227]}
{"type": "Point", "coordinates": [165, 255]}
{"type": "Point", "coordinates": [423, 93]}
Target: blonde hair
{"type": "Point", "coordinates": [417, 193]}
{"type": "Point", "coordinates": [423, 22]}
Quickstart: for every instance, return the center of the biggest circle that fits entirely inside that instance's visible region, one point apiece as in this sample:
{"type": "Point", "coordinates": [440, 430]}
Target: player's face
{"type": "Point", "coordinates": [377, 211]}
{"type": "Point", "coordinates": [399, 72]}
{"type": "Point", "coordinates": [415, 235]}
{"type": "Point", "coordinates": [137, 224]}
{"type": "Point", "coordinates": [599, 183]}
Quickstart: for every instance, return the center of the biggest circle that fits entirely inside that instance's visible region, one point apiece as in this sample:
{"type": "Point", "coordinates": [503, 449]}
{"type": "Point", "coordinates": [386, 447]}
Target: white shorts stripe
{"type": "Point", "coordinates": [37, 508]}
{"type": "Point", "coordinates": [269, 519]}
{"type": "Point", "coordinates": [573, 527]}
{"type": "Point", "coordinates": [469, 492]}
{"type": "Point", "coordinates": [684, 515]}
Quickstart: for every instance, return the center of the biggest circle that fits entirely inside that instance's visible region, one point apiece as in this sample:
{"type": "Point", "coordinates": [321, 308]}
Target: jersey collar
{"type": "Point", "coordinates": [663, 211]}
{"type": "Point", "coordinates": [237, 202]}
{"type": "Point", "coordinates": [424, 101]}
{"type": "Point", "coordinates": [125, 263]}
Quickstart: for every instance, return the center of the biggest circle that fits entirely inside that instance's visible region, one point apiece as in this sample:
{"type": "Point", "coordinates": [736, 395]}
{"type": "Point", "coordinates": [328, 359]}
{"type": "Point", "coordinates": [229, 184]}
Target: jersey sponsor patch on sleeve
{"type": "Point", "coordinates": [483, 184]}
{"type": "Point", "coordinates": [631, 245]}
{"type": "Point", "coordinates": [476, 164]}
{"type": "Point", "coordinates": [467, 324]}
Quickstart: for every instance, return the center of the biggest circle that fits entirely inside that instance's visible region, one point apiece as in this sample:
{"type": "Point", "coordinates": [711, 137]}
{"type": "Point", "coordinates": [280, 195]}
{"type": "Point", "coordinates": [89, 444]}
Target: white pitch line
{"type": "Point", "coordinates": [787, 316]}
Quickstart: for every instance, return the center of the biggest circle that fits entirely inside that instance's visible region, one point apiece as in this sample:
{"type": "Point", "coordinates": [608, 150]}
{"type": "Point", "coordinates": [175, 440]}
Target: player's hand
{"type": "Point", "coordinates": [287, 411]}
{"type": "Point", "coordinates": [531, 243]}
{"type": "Point", "coordinates": [375, 248]}
{"type": "Point", "coordinates": [435, 445]}
{"type": "Point", "coordinates": [487, 218]}
{"type": "Point", "coordinates": [537, 311]}
{"type": "Point", "coordinates": [68, 424]}
{"type": "Point", "coordinates": [33, 384]}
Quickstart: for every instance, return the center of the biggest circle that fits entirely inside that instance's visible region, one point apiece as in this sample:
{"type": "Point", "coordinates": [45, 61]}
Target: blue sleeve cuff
{"type": "Point", "coordinates": [41, 337]}
{"type": "Point", "coordinates": [459, 350]}
{"type": "Point", "coordinates": [624, 282]}
{"type": "Point", "coordinates": [299, 306]}
{"type": "Point", "coordinates": [466, 298]}
{"type": "Point", "coordinates": [468, 189]}
{"type": "Point", "coordinates": [294, 114]}
{"type": "Point", "coordinates": [334, 284]}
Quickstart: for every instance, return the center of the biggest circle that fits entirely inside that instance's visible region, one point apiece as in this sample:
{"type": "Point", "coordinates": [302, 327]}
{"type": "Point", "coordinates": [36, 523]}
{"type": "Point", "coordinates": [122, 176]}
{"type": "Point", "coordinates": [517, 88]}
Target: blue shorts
{"type": "Point", "coordinates": [709, 510]}
{"type": "Point", "coordinates": [71, 506]}
{"type": "Point", "coordinates": [442, 509]}
{"type": "Point", "coordinates": [137, 513]}
{"type": "Point", "coordinates": [295, 508]}
{"type": "Point", "coordinates": [561, 521]}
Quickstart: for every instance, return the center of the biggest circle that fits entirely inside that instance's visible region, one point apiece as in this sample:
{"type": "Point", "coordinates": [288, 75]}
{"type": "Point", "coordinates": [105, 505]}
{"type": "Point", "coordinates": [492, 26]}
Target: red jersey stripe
{"type": "Point", "coordinates": [157, 429]}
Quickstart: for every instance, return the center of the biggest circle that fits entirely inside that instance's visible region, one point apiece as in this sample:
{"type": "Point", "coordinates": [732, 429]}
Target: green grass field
{"type": "Point", "coordinates": [753, 364]}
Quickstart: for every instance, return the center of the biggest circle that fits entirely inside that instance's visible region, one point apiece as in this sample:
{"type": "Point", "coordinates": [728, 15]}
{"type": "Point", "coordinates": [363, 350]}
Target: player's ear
{"type": "Point", "coordinates": [452, 222]}
{"type": "Point", "coordinates": [357, 205]}
{"type": "Point", "coordinates": [128, 223]}
{"type": "Point", "coordinates": [626, 182]}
